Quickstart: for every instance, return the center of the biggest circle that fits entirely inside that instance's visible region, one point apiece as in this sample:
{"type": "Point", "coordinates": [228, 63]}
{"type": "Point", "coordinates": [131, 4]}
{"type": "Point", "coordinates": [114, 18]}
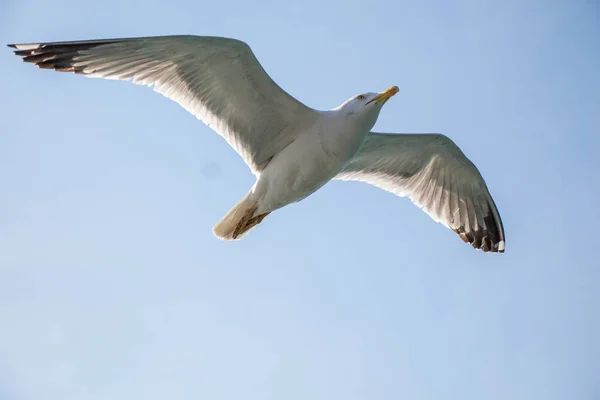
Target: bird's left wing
{"type": "Point", "coordinates": [434, 173]}
{"type": "Point", "coordinates": [219, 80]}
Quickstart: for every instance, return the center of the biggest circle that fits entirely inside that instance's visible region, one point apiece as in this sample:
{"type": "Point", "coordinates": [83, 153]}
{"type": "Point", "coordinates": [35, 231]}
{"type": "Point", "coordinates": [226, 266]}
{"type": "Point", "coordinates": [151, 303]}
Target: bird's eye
{"type": "Point", "coordinates": [360, 97]}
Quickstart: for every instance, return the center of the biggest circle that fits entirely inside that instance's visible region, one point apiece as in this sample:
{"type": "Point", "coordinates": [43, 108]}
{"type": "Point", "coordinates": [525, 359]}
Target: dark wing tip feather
{"type": "Point", "coordinates": [59, 56]}
{"type": "Point", "coordinates": [489, 239]}
{"type": "Point", "coordinates": [22, 52]}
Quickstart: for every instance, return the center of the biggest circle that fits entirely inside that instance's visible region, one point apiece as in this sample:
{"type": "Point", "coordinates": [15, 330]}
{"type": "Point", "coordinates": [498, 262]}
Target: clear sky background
{"type": "Point", "coordinates": [112, 285]}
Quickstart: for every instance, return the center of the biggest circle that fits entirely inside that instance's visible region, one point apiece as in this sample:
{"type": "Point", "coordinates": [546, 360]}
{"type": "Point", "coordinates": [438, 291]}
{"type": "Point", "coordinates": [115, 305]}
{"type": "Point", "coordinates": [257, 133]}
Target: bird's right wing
{"type": "Point", "coordinates": [219, 80]}
{"type": "Point", "coordinates": [435, 174]}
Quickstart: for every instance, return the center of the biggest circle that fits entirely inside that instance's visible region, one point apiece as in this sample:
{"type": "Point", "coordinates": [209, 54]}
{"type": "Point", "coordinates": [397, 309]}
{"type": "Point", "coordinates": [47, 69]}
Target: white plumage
{"type": "Point", "coordinates": [292, 149]}
{"type": "Point", "coordinates": [435, 174]}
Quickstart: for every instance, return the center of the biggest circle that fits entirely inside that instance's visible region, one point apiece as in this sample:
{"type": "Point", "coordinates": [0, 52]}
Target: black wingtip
{"type": "Point", "coordinates": [12, 46]}
{"type": "Point", "coordinates": [486, 240]}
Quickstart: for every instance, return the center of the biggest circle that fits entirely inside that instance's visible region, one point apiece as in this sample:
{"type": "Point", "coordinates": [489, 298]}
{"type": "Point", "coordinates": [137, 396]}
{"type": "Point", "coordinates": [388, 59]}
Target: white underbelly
{"type": "Point", "coordinates": [298, 171]}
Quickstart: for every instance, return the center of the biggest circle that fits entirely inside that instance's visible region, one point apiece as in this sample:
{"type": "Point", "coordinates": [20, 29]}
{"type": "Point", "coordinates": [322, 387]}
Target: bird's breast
{"type": "Point", "coordinates": [342, 142]}
{"type": "Point", "coordinates": [313, 159]}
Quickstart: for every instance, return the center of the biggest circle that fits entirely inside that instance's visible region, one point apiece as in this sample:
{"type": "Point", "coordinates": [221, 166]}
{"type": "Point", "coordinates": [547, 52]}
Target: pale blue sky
{"type": "Point", "coordinates": [112, 285]}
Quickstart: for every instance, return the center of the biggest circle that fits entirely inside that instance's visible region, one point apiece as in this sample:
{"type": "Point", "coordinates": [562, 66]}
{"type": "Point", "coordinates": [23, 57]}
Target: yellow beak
{"type": "Point", "coordinates": [385, 95]}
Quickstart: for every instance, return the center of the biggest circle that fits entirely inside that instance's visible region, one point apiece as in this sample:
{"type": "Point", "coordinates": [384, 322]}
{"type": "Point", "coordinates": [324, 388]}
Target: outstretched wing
{"type": "Point", "coordinates": [435, 174]}
{"type": "Point", "coordinates": [219, 80]}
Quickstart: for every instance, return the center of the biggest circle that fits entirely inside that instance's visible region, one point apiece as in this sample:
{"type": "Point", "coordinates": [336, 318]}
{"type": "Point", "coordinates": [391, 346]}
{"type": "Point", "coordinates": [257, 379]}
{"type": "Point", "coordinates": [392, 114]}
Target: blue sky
{"type": "Point", "coordinates": [113, 286]}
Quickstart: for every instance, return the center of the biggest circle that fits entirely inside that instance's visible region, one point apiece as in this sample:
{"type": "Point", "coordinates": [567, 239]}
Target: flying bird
{"type": "Point", "coordinates": [292, 149]}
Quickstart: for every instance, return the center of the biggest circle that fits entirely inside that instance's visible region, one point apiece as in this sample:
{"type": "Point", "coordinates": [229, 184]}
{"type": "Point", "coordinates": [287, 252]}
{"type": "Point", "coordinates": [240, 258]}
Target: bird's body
{"type": "Point", "coordinates": [317, 155]}
{"type": "Point", "coordinates": [313, 159]}
{"type": "Point", "coordinates": [292, 149]}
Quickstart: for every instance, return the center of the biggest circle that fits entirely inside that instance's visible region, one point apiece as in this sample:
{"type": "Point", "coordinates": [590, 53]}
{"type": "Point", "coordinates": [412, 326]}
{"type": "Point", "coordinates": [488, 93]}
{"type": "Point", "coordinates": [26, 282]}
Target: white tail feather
{"type": "Point", "coordinates": [225, 228]}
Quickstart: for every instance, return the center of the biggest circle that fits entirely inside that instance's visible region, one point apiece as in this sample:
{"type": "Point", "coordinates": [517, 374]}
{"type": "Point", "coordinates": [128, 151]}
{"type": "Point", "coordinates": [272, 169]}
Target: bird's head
{"type": "Point", "coordinates": [366, 106]}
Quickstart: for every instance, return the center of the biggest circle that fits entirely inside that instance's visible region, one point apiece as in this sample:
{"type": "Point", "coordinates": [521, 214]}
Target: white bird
{"type": "Point", "coordinates": [293, 150]}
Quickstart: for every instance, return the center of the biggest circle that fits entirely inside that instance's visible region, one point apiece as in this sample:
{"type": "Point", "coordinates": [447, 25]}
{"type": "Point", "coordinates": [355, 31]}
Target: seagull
{"type": "Point", "coordinates": [292, 149]}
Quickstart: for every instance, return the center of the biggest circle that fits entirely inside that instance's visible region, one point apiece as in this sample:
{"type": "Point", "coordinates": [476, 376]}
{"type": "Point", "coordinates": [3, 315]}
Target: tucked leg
{"type": "Point", "coordinates": [242, 224]}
